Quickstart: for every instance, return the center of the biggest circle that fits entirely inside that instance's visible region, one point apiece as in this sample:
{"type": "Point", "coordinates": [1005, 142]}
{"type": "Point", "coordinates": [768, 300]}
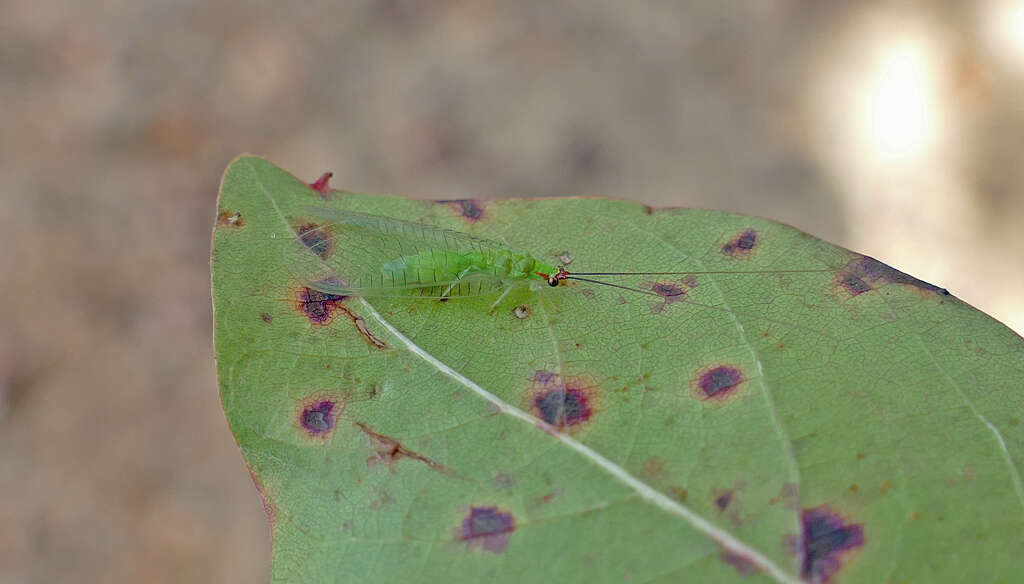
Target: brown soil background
{"type": "Point", "coordinates": [118, 118]}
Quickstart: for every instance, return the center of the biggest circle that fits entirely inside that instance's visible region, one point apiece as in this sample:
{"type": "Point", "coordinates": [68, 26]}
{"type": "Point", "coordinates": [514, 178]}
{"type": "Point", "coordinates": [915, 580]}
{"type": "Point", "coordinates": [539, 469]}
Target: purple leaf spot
{"type": "Point", "coordinates": [316, 238]}
{"type": "Point", "coordinates": [723, 499]}
{"type": "Point", "coordinates": [470, 209]}
{"type": "Point", "coordinates": [562, 403]}
{"type": "Point", "coordinates": [864, 274]}
{"type": "Point", "coordinates": [318, 418]}
{"type": "Point", "coordinates": [741, 245]}
{"type": "Point", "coordinates": [562, 407]}
{"type": "Point", "coordinates": [487, 527]}
{"type": "Point", "coordinates": [317, 306]}
{"type": "Point", "coordinates": [718, 383]}
{"type": "Point", "coordinates": [825, 539]}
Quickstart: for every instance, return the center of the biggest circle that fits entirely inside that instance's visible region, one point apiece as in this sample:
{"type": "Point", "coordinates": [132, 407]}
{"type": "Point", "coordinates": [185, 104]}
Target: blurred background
{"type": "Point", "coordinates": [892, 128]}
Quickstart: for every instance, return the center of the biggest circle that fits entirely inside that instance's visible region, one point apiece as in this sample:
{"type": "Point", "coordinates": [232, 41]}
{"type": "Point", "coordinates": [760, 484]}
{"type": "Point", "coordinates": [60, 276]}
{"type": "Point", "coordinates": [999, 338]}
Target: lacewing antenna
{"type": "Point", "coordinates": [571, 274]}
{"type": "Point", "coordinates": [648, 292]}
{"type": "Point", "coordinates": [563, 274]}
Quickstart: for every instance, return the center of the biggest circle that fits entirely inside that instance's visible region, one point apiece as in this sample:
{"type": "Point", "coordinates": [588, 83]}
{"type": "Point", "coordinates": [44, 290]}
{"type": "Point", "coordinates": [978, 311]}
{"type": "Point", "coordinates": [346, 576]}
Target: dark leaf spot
{"type": "Point", "coordinates": [853, 284]}
{"type": "Point", "coordinates": [670, 292]}
{"type": "Point", "coordinates": [487, 527]}
{"type": "Point", "coordinates": [718, 383]}
{"type": "Point", "coordinates": [723, 499]}
{"type": "Point", "coordinates": [318, 415]}
{"type": "Point", "coordinates": [471, 209]}
{"type": "Point", "coordinates": [562, 407]}
{"type": "Point", "coordinates": [561, 403]}
{"type": "Point", "coordinates": [667, 289]}
{"type": "Point", "coordinates": [320, 185]}
{"type": "Point", "coordinates": [317, 238]}
{"type": "Point", "coordinates": [741, 245]}
{"type": "Point", "coordinates": [228, 219]}
{"type": "Point", "coordinates": [319, 307]}
{"type": "Point", "coordinates": [825, 539]}
{"type": "Point", "coordinates": [863, 274]}
{"type": "Point", "coordinates": [265, 316]}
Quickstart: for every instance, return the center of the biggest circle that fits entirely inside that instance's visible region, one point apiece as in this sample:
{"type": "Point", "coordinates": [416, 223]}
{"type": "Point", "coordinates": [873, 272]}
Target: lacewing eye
{"type": "Point", "coordinates": [552, 281]}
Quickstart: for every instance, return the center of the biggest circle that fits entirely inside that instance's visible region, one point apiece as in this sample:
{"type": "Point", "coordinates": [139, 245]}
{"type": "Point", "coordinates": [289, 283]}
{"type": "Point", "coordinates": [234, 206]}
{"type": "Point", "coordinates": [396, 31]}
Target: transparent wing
{"type": "Point", "coordinates": [427, 235]}
{"type": "Point", "coordinates": [467, 287]}
{"type": "Point", "coordinates": [345, 252]}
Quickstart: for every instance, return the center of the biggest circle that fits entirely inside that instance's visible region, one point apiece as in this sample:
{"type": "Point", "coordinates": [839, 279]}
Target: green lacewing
{"type": "Point", "coordinates": [348, 253]}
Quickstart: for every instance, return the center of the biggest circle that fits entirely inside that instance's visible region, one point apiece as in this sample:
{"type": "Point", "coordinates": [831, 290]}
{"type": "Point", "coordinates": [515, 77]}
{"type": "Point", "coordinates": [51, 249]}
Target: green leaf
{"type": "Point", "coordinates": [826, 419]}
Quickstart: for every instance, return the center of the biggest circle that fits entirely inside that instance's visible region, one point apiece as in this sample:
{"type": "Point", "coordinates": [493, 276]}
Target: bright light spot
{"type": "Point", "coordinates": [1004, 30]}
{"type": "Point", "coordinates": [897, 112]}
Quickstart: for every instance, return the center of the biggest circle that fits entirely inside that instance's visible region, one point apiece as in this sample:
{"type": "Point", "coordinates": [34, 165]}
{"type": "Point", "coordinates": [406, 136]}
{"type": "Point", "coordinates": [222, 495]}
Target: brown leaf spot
{"type": "Point", "coordinates": [389, 451]}
{"type": "Point", "coordinates": [228, 219]}
{"type": "Point", "coordinates": [678, 493]}
{"type": "Point", "coordinates": [864, 274]}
